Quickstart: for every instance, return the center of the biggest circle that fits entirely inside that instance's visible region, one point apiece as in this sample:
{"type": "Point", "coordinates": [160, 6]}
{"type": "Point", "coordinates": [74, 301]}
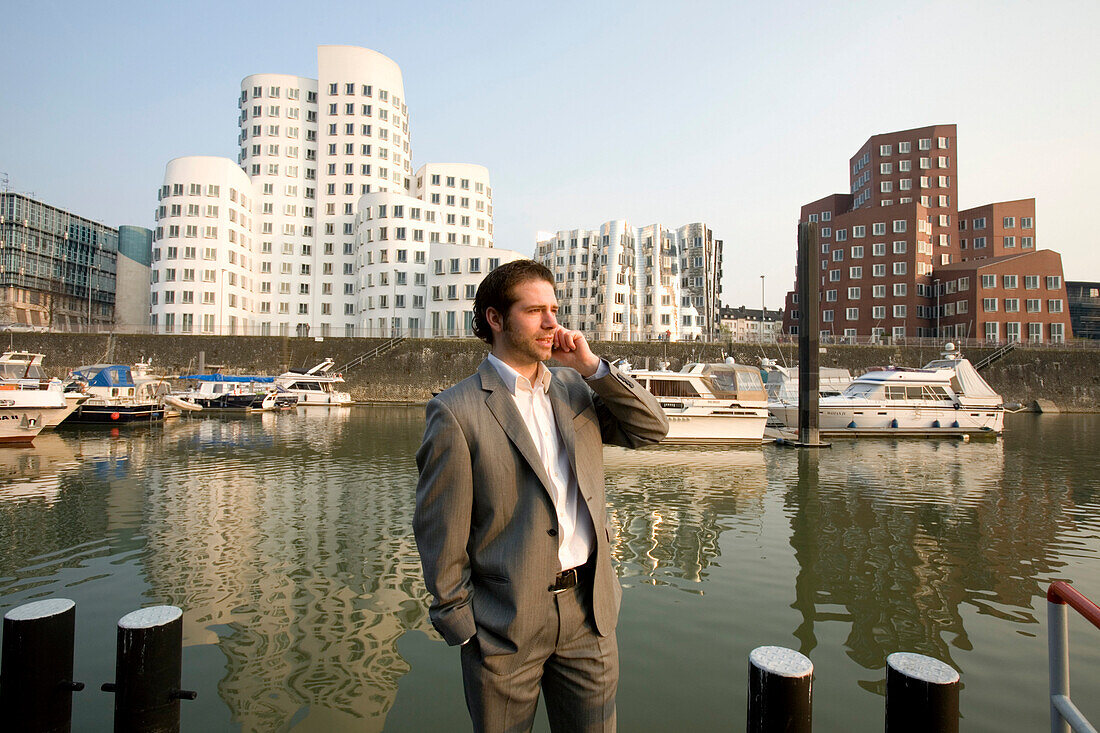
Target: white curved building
{"type": "Point", "coordinates": [418, 270]}
{"type": "Point", "coordinates": [203, 249]}
{"type": "Point", "coordinates": [313, 149]}
{"type": "Point", "coordinates": [636, 283]}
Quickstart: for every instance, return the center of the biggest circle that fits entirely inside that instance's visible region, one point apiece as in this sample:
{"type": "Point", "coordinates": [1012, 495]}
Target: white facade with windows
{"type": "Point", "coordinates": [417, 271]}
{"type": "Point", "coordinates": [202, 249]}
{"type": "Point", "coordinates": [311, 152]}
{"type": "Point", "coordinates": [636, 283]}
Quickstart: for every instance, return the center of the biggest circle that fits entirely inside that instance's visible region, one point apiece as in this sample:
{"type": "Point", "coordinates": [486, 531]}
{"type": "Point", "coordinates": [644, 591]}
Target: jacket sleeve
{"type": "Point", "coordinates": [629, 415]}
{"type": "Point", "coordinates": [441, 522]}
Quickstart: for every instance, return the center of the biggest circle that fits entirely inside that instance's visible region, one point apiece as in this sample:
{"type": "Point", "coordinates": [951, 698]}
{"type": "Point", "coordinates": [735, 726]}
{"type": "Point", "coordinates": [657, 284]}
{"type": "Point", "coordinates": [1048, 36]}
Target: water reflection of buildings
{"type": "Point", "coordinates": [288, 544]}
{"type": "Point", "coordinates": [892, 537]}
{"type": "Point", "coordinates": [669, 507]}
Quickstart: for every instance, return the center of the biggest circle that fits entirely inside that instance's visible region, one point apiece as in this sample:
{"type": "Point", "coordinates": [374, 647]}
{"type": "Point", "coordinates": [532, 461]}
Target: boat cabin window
{"type": "Point", "coordinates": [916, 392]}
{"type": "Point", "coordinates": [672, 388]}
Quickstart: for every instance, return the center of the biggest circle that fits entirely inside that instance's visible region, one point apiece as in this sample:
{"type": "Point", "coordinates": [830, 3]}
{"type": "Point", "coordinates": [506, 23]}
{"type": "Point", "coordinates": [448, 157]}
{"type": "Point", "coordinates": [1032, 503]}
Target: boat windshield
{"type": "Point", "coordinates": [862, 390]}
{"type": "Point", "coordinates": [735, 381]}
{"type": "Point", "coordinates": [21, 371]}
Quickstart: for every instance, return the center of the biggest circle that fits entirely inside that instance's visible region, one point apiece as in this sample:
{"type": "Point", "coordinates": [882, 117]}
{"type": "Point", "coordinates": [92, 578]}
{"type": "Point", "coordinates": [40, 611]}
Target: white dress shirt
{"type": "Point", "coordinates": [576, 535]}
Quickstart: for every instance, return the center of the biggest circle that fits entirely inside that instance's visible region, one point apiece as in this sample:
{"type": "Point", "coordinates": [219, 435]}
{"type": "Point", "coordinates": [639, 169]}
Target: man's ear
{"type": "Point", "coordinates": [494, 319]}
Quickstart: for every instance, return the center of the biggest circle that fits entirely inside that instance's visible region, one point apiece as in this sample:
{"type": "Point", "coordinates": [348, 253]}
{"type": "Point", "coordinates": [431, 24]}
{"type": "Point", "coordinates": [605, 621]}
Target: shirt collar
{"type": "Point", "coordinates": [511, 377]}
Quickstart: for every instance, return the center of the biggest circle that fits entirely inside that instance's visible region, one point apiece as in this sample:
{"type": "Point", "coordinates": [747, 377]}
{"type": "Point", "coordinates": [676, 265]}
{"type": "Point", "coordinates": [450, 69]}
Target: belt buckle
{"type": "Point", "coordinates": [563, 580]}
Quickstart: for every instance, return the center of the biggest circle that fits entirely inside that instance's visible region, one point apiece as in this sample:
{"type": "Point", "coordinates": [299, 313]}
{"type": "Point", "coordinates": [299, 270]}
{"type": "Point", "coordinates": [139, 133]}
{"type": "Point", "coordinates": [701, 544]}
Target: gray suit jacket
{"type": "Point", "coordinates": [485, 524]}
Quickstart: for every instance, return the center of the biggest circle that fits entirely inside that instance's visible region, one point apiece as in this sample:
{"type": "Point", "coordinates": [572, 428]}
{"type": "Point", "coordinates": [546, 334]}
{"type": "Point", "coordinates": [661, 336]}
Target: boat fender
{"type": "Point", "coordinates": [955, 424]}
{"type": "Point", "coordinates": [852, 424]}
{"type": "Point", "coordinates": [894, 423]}
{"type": "Point", "coordinates": [936, 424]}
{"type": "Point", "coordinates": [114, 415]}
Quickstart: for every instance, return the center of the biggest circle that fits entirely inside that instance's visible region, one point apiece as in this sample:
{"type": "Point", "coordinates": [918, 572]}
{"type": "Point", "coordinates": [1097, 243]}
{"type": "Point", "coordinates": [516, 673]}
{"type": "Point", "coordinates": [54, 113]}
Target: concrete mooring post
{"type": "Point", "coordinates": [36, 669]}
{"type": "Point", "coordinates": [809, 337]}
{"type": "Point", "coordinates": [922, 695]}
{"type": "Point", "coordinates": [780, 691]}
{"type": "Point", "coordinates": [148, 669]}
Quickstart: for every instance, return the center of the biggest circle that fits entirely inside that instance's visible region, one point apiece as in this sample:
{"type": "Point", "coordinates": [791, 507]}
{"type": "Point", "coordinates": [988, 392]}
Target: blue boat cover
{"type": "Point", "coordinates": [228, 378]}
{"type": "Point", "coordinates": [105, 375]}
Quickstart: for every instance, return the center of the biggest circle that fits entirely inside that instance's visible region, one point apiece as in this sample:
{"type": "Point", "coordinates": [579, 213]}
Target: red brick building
{"type": "Point", "coordinates": [995, 230]}
{"type": "Point", "coordinates": [883, 244]}
{"type": "Point", "coordinates": [1017, 297]}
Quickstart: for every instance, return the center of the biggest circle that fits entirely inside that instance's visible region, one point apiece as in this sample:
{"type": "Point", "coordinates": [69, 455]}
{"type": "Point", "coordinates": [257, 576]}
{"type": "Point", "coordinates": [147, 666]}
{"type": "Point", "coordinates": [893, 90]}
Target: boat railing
{"type": "Point", "coordinates": [1064, 715]}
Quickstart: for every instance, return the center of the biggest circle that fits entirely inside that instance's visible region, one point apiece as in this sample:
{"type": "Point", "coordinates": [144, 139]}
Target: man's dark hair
{"type": "Point", "coordinates": [495, 292]}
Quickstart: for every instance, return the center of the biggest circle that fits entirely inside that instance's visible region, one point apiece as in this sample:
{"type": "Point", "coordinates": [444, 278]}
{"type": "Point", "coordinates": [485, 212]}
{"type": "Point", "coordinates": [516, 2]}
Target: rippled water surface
{"type": "Point", "coordinates": [287, 542]}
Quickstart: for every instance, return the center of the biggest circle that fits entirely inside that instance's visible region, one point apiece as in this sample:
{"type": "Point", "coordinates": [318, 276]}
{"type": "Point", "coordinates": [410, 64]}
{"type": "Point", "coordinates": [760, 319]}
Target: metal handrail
{"type": "Point", "coordinates": [998, 354]}
{"type": "Point", "coordinates": [1064, 715]}
{"type": "Point", "coordinates": [382, 348]}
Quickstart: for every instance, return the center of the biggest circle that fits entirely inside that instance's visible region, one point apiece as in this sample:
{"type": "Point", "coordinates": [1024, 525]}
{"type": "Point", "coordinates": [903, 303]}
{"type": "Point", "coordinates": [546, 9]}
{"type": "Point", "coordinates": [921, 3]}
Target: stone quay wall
{"type": "Point", "coordinates": [415, 368]}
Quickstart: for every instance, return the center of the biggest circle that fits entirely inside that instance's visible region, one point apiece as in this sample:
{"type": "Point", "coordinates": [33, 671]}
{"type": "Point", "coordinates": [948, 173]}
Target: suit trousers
{"type": "Point", "coordinates": [577, 669]}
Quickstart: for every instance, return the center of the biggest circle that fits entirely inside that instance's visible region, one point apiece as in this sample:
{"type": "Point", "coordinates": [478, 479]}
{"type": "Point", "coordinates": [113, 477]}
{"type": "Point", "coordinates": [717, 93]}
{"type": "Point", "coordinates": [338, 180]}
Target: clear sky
{"type": "Point", "coordinates": [730, 113]}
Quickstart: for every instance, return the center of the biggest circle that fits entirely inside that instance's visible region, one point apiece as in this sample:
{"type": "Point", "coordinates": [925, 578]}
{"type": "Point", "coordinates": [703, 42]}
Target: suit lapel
{"type": "Point", "coordinates": [503, 406]}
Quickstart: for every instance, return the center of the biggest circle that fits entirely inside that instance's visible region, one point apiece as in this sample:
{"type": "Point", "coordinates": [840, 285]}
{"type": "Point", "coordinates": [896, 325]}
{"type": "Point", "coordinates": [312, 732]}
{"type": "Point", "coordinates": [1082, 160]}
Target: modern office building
{"type": "Point", "coordinates": [1084, 308]}
{"type": "Point", "coordinates": [882, 245]}
{"type": "Point", "coordinates": [621, 282]}
{"type": "Point", "coordinates": [310, 244]}
{"type": "Point", "coordinates": [58, 270]}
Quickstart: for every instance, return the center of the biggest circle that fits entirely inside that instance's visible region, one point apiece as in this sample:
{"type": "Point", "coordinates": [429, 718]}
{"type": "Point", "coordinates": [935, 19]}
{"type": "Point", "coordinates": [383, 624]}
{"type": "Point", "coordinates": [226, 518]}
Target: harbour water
{"type": "Point", "coordinates": [286, 539]}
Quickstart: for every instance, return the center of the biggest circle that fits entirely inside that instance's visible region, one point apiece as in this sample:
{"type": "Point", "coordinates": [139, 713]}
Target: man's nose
{"type": "Point", "coordinates": [549, 320]}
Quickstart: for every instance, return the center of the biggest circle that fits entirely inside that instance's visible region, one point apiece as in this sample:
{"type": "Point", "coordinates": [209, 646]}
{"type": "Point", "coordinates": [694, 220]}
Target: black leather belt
{"type": "Point", "coordinates": [567, 579]}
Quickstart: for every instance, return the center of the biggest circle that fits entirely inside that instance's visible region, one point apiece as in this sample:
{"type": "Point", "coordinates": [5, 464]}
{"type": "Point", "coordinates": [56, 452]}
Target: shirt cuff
{"type": "Point", "coordinates": [601, 371]}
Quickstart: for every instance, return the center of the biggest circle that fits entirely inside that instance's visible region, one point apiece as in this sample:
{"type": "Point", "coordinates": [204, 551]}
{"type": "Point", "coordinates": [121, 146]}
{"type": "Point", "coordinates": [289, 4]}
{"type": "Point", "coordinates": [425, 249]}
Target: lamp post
{"type": "Point", "coordinates": [761, 309]}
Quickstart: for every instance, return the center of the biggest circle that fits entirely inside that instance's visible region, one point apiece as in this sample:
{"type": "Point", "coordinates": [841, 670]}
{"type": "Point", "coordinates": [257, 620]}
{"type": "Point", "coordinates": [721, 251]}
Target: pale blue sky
{"type": "Point", "coordinates": [670, 112]}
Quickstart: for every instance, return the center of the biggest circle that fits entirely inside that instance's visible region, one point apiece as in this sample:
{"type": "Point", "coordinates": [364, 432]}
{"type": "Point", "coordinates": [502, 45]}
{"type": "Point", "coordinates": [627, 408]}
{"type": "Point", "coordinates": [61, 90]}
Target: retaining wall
{"type": "Point", "coordinates": [417, 367]}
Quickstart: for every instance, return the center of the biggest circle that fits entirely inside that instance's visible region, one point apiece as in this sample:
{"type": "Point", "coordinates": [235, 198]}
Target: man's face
{"type": "Point", "coordinates": [525, 335]}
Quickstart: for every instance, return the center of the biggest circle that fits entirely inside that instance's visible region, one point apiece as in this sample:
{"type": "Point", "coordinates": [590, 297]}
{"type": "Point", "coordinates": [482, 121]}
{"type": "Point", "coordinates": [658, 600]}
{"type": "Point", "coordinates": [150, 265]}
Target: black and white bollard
{"type": "Point", "coordinates": [36, 670]}
{"type": "Point", "coordinates": [148, 668]}
{"type": "Point", "coordinates": [780, 690]}
{"type": "Point", "coordinates": [922, 694]}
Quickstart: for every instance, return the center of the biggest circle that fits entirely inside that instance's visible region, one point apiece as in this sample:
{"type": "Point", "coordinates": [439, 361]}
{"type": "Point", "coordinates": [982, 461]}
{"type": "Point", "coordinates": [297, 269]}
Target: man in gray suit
{"type": "Point", "coordinates": [510, 512]}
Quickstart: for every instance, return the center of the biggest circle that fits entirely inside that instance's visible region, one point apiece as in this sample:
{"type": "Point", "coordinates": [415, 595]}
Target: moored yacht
{"type": "Point", "coordinates": [782, 385]}
{"type": "Point", "coordinates": [114, 396]}
{"type": "Point", "coordinates": [25, 368]}
{"type": "Point", "coordinates": [709, 403]}
{"type": "Point", "coordinates": [946, 397]}
{"type": "Point", "coordinates": [316, 386]}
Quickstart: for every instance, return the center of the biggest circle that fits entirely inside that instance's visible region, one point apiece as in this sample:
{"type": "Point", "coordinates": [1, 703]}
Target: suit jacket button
{"type": "Point", "coordinates": [552, 532]}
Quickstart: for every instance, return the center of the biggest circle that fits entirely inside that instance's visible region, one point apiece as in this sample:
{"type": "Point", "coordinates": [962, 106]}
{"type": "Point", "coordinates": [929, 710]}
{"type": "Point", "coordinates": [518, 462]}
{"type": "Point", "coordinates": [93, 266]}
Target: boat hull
{"type": "Point", "coordinates": [20, 425]}
{"type": "Point", "coordinates": [902, 420]}
{"type": "Point", "coordinates": [715, 426]}
{"type": "Point", "coordinates": [116, 414]}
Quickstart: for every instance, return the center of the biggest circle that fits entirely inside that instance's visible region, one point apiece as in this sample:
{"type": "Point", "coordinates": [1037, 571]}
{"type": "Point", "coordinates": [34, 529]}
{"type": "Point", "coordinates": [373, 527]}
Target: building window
{"type": "Point", "coordinates": [899, 311]}
{"type": "Point", "coordinates": [1054, 305]}
{"type": "Point", "coordinates": [989, 305]}
{"type": "Point", "coordinates": [989, 281]}
{"type": "Point", "coordinates": [1054, 282]}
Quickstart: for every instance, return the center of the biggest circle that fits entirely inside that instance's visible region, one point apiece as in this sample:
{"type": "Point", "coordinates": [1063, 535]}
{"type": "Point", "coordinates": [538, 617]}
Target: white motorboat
{"type": "Point", "coordinates": [782, 386]}
{"type": "Point", "coordinates": [316, 386]}
{"type": "Point", "coordinates": [709, 403]}
{"type": "Point", "coordinates": [946, 397]}
{"type": "Point", "coordinates": [25, 385]}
